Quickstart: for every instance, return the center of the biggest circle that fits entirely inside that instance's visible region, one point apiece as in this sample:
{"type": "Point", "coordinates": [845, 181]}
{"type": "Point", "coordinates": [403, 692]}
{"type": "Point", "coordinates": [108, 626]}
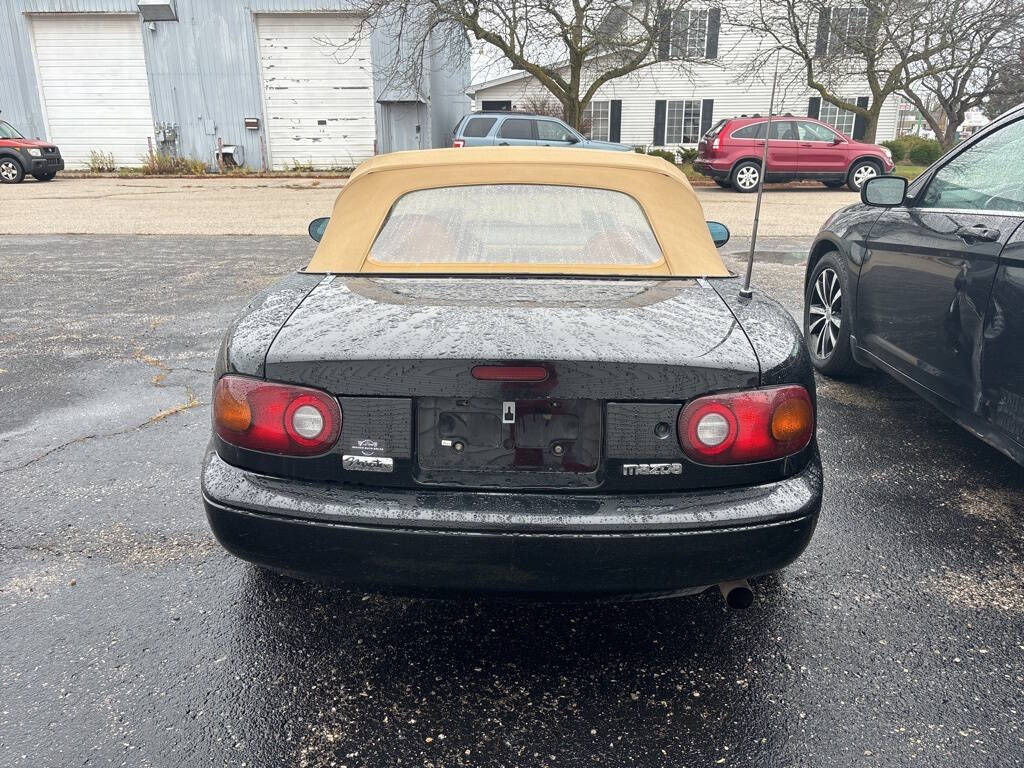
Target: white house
{"type": "Point", "coordinates": [664, 105]}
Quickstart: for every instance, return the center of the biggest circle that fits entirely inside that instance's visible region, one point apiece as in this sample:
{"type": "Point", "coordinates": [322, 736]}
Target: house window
{"type": "Point", "coordinates": [840, 119]}
{"type": "Point", "coordinates": [849, 29]}
{"type": "Point", "coordinates": [597, 120]}
{"type": "Point", "coordinates": [690, 33]}
{"type": "Point", "coordinates": [682, 122]}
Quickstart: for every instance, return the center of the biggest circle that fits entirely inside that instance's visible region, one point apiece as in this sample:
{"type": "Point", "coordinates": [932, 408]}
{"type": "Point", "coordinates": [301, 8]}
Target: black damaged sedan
{"type": "Point", "coordinates": [926, 282]}
{"type": "Point", "coordinates": [514, 371]}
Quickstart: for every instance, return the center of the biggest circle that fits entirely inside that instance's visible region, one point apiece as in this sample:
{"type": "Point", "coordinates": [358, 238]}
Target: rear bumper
{"type": "Point", "coordinates": [539, 545]}
{"type": "Point", "coordinates": [707, 169]}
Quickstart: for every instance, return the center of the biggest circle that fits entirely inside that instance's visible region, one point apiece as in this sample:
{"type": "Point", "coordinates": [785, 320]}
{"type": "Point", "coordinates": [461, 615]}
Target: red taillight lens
{"type": "Point", "coordinates": [748, 426]}
{"type": "Point", "coordinates": [716, 144]}
{"type": "Point", "coordinates": [275, 418]}
{"type": "Point", "coordinates": [458, 143]}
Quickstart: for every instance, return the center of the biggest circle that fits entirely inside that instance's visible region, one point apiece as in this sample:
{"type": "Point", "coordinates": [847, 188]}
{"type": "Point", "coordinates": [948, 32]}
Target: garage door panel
{"type": "Point", "coordinates": [92, 77]}
{"type": "Point", "coordinates": [317, 89]}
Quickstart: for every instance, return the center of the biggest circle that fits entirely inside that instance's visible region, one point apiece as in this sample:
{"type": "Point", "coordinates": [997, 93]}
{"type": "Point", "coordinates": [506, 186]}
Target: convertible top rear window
{"type": "Point", "coordinates": [523, 224]}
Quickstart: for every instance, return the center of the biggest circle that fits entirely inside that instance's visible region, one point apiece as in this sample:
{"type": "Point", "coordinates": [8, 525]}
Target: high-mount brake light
{"type": "Point", "coordinates": [275, 418]}
{"type": "Point", "coordinates": [510, 373]}
{"type": "Point", "coordinates": [746, 426]}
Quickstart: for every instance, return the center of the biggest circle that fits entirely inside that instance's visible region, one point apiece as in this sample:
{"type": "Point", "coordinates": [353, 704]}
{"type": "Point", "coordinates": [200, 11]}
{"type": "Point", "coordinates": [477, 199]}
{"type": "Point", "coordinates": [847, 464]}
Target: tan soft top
{"type": "Point", "coordinates": [661, 189]}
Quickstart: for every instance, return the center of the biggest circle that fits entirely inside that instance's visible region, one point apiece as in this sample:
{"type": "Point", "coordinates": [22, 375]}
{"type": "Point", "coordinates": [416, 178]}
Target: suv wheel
{"type": "Point", "coordinates": [11, 171]}
{"type": "Point", "coordinates": [746, 176]}
{"type": "Point", "coordinates": [827, 317]}
{"type": "Point", "coordinates": [861, 171]}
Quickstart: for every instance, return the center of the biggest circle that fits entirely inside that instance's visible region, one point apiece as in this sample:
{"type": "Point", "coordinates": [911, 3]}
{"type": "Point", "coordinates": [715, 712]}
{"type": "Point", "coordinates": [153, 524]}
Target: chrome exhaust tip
{"type": "Point", "coordinates": [738, 595]}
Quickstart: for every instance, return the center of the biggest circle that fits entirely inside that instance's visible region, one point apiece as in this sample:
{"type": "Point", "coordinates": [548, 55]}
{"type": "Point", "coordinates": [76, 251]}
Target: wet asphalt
{"type": "Point", "coordinates": [130, 638]}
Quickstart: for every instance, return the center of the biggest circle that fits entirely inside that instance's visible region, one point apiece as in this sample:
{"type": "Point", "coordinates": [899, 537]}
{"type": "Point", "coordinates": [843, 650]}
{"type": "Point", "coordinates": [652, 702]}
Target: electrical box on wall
{"type": "Point", "coordinates": [157, 10]}
{"type": "Point", "coordinates": [252, 123]}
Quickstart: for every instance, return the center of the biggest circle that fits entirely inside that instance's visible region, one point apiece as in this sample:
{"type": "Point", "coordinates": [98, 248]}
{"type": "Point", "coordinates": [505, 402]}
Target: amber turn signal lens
{"type": "Point", "coordinates": [231, 408]}
{"type": "Point", "coordinates": [791, 419]}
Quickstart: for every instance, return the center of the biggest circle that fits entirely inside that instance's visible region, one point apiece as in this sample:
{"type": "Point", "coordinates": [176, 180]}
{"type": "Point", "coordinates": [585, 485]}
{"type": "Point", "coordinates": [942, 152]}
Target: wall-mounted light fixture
{"type": "Point", "coordinates": [157, 10]}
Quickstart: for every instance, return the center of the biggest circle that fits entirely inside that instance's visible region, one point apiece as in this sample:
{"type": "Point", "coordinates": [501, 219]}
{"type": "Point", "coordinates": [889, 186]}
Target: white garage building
{"type": "Point", "coordinates": [292, 83]}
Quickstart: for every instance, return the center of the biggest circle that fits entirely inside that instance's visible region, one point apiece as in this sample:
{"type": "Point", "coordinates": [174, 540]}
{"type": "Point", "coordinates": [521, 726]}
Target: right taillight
{"type": "Point", "coordinates": [716, 144]}
{"type": "Point", "coordinates": [458, 143]}
{"type": "Point", "coordinates": [275, 418]}
{"type": "Point", "coordinates": [746, 426]}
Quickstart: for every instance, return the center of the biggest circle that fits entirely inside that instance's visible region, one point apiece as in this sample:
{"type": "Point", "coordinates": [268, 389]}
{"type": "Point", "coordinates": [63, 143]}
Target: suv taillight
{"type": "Point", "coordinates": [275, 418]}
{"type": "Point", "coordinates": [458, 143]}
{"type": "Point", "coordinates": [716, 144]}
{"type": "Point", "coordinates": [746, 426]}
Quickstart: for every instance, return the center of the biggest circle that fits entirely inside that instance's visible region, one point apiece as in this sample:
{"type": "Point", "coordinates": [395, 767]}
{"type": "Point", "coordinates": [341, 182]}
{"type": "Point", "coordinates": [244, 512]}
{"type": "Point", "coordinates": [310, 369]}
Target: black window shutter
{"type": "Point", "coordinates": [615, 120]}
{"type": "Point", "coordinates": [814, 107]}
{"type": "Point", "coordinates": [659, 122]}
{"type": "Point", "coordinates": [873, 25]}
{"type": "Point", "coordinates": [821, 42]}
{"type": "Point", "coordinates": [664, 34]}
{"type": "Point", "coordinates": [860, 123]}
{"type": "Point", "coordinates": [714, 24]}
{"type": "Point", "coordinates": [707, 109]}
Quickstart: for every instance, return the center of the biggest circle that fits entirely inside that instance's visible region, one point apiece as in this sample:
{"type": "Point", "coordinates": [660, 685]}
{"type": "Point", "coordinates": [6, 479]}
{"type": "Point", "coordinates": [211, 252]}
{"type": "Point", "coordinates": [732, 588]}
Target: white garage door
{"type": "Point", "coordinates": [317, 90]}
{"type": "Point", "coordinates": [92, 73]}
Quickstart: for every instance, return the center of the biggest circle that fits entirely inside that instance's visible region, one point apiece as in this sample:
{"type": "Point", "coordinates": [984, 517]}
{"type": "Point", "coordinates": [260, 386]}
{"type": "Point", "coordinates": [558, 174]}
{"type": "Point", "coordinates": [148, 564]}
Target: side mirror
{"type": "Point", "coordinates": [719, 233]}
{"type": "Point", "coordinates": [838, 140]}
{"type": "Point", "coordinates": [884, 191]}
{"type": "Point", "coordinates": [317, 227]}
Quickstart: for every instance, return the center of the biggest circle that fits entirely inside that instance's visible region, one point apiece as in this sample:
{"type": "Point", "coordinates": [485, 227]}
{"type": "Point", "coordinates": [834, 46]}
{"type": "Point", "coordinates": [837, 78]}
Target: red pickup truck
{"type": "Point", "coordinates": [19, 156]}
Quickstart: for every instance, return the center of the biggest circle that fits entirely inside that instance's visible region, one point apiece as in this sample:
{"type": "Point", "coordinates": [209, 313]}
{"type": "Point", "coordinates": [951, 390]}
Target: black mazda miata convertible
{"type": "Point", "coordinates": [516, 371]}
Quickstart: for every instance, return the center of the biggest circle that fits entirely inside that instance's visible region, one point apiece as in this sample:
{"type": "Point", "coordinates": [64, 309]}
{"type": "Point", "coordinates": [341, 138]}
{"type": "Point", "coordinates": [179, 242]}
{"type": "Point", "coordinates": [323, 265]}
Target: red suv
{"type": "Point", "coordinates": [800, 148]}
{"type": "Point", "coordinates": [19, 156]}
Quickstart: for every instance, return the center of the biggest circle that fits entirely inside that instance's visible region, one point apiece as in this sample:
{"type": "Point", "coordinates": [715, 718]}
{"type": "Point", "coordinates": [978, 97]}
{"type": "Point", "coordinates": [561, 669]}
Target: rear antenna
{"type": "Point", "coordinates": [745, 291]}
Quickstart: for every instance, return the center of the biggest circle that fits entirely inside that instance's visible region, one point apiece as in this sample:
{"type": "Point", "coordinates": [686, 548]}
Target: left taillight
{"type": "Point", "coordinates": [746, 426]}
{"type": "Point", "coordinates": [458, 143]}
{"type": "Point", "coordinates": [275, 418]}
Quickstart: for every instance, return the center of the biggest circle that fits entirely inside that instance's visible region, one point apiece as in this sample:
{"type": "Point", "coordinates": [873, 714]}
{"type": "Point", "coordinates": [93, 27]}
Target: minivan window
{"type": "Point", "coordinates": [516, 128]}
{"type": "Point", "coordinates": [478, 127]}
{"type": "Point", "coordinates": [517, 224]}
{"type": "Point", "coordinates": [987, 176]}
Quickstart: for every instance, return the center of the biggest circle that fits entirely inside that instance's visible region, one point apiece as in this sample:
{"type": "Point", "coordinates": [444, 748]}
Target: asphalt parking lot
{"type": "Point", "coordinates": [131, 638]}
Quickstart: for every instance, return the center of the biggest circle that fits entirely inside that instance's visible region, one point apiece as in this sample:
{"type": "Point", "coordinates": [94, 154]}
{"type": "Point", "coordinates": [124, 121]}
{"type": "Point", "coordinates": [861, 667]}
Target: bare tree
{"type": "Point", "coordinates": [981, 36]}
{"type": "Point", "coordinates": [571, 47]}
{"type": "Point", "coordinates": [1011, 75]}
{"type": "Point", "coordinates": [826, 46]}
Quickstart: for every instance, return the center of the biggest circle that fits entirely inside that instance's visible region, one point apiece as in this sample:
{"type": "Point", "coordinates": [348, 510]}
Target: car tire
{"type": "Point", "coordinates": [745, 176]}
{"type": "Point", "coordinates": [860, 172]}
{"type": "Point", "coordinates": [44, 176]}
{"type": "Point", "coordinates": [833, 184]}
{"type": "Point", "coordinates": [11, 171]}
{"type": "Point", "coordinates": [723, 183]}
{"type": "Point", "coordinates": [827, 320]}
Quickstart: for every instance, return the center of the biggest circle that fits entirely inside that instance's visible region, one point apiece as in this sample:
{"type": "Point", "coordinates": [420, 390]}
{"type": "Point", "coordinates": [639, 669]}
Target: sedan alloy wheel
{"type": "Point", "coordinates": [826, 313]}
